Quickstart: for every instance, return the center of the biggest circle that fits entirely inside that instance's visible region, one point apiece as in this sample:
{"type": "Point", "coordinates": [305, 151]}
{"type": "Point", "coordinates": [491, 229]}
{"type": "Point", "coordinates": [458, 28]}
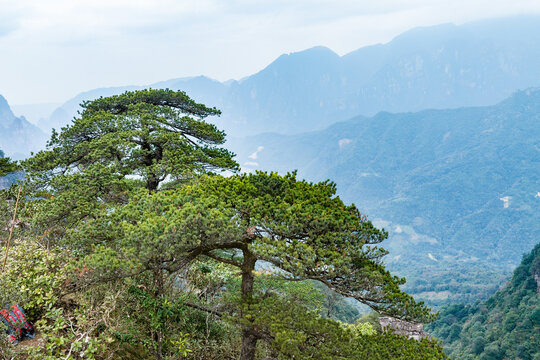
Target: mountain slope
{"type": "Point", "coordinates": [444, 66]}
{"type": "Point", "coordinates": [507, 326]}
{"type": "Point", "coordinates": [18, 137]}
{"type": "Point", "coordinates": [457, 189]}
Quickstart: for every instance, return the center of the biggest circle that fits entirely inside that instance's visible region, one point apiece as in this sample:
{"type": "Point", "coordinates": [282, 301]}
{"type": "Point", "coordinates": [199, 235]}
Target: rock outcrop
{"type": "Point", "coordinates": [401, 327]}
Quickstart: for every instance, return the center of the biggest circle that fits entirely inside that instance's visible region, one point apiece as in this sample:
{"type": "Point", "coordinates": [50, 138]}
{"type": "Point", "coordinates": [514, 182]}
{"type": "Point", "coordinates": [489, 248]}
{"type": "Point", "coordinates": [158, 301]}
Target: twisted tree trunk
{"type": "Point", "coordinates": [249, 337]}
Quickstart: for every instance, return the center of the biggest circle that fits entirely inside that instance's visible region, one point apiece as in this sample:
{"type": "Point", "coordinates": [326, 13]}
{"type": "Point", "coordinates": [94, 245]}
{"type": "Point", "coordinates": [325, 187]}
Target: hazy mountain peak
{"type": "Point", "coordinates": [3, 102]}
{"type": "Point", "coordinates": [18, 137]}
{"type": "Point", "coordinates": [529, 97]}
{"type": "Point", "coordinates": [443, 66]}
{"type": "Point", "coordinates": [6, 115]}
{"type": "Point", "coordinates": [318, 50]}
{"type": "Point", "coordinates": [315, 54]}
{"type": "Point", "coordinates": [427, 33]}
{"type": "Point", "coordinates": [178, 83]}
{"type": "Point", "coordinates": [314, 59]}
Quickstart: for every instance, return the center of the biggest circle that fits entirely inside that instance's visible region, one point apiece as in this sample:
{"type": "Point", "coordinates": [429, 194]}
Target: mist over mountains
{"type": "Point", "coordinates": [18, 137]}
{"type": "Point", "coordinates": [443, 66]}
{"type": "Point", "coordinates": [456, 187]}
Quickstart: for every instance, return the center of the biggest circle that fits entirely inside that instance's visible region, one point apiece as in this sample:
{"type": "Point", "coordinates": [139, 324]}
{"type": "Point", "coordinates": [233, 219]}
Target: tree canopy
{"type": "Point", "coordinates": [155, 254]}
{"type": "Point", "coordinates": [155, 135]}
{"type": "Point", "coordinates": [140, 139]}
{"type": "Point", "coordinates": [6, 165]}
{"type": "Point", "coordinates": [295, 229]}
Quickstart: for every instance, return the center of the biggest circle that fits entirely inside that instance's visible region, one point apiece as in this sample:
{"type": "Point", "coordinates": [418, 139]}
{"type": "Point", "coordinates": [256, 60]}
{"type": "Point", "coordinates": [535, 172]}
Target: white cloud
{"type": "Point", "coordinates": [60, 47]}
{"type": "Point", "coordinates": [343, 142]}
{"type": "Point", "coordinates": [255, 154]}
{"type": "Point", "coordinates": [9, 19]}
{"type": "Point", "coordinates": [506, 201]}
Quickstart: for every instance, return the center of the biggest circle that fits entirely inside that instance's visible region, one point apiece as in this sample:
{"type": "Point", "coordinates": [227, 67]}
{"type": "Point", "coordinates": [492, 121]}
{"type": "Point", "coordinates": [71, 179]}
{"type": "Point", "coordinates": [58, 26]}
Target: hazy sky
{"type": "Point", "coordinates": [53, 49]}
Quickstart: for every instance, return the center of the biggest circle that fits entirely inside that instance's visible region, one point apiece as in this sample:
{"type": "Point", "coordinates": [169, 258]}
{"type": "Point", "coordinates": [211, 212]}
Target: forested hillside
{"type": "Point", "coordinates": [507, 326]}
{"type": "Point", "coordinates": [457, 189]}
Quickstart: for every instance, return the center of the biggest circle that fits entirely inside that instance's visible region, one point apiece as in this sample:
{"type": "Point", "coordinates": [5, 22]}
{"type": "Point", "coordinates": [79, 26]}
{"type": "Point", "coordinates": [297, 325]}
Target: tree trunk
{"type": "Point", "coordinates": [152, 180]}
{"type": "Point", "coordinates": [152, 183]}
{"type": "Point", "coordinates": [249, 345]}
{"type": "Point", "coordinates": [158, 352]}
{"type": "Point", "coordinates": [249, 339]}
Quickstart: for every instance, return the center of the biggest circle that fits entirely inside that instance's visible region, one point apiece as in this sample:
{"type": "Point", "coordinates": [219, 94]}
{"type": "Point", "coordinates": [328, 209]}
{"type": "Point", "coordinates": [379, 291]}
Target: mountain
{"type": "Point", "coordinates": [506, 326]}
{"type": "Point", "coordinates": [18, 137]}
{"type": "Point", "coordinates": [457, 189]}
{"type": "Point", "coordinates": [35, 112]}
{"type": "Point", "coordinates": [201, 88]}
{"type": "Point", "coordinates": [443, 66]}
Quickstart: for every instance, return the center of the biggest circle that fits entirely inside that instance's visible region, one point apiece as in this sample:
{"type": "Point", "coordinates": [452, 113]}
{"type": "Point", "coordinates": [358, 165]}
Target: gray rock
{"type": "Point", "coordinates": [400, 327]}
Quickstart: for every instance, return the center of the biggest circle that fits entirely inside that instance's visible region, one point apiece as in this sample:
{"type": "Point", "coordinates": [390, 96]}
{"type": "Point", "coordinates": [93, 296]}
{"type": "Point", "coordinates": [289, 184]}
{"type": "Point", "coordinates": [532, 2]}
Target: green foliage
{"type": "Point", "coordinates": [506, 326]}
{"type": "Point", "coordinates": [301, 334]}
{"type": "Point", "coordinates": [7, 352]}
{"type": "Point", "coordinates": [154, 134]}
{"type": "Point", "coordinates": [35, 278]}
{"type": "Point", "coordinates": [371, 318]}
{"type": "Point", "coordinates": [300, 230]}
{"type": "Point", "coordinates": [155, 256]}
{"type": "Point", "coordinates": [149, 317]}
{"type": "Point", "coordinates": [6, 165]}
{"type": "Point", "coordinates": [137, 139]}
{"type": "Point", "coordinates": [64, 335]}
{"type": "Point", "coordinates": [298, 227]}
{"type": "Point", "coordinates": [363, 328]}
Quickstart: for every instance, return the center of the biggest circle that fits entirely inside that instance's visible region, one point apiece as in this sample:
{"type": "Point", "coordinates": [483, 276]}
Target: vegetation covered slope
{"type": "Point", "coordinates": [457, 189]}
{"type": "Point", "coordinates": [133, 247]}
{"type": "Point", "coordinates": [507, 326]}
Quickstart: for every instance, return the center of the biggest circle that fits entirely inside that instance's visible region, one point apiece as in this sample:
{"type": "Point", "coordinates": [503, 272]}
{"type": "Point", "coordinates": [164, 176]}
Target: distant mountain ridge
{"type": "Point", "coordinates": [432, 177]}
{"type": "Point", "coordinates": [458, 189]}
{"type": "Point", "coordinates": [18, 137]}
{"type": "Point", "coordinates": [443, 66]}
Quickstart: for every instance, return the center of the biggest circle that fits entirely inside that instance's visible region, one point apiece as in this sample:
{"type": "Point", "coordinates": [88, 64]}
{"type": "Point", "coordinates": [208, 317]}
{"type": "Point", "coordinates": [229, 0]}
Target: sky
{"type": "Point", "coordinates": [52, 50]}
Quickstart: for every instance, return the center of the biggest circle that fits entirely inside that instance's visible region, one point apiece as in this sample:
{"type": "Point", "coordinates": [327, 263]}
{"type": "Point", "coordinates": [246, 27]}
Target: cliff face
{"type": "Point", "coordinates": [506, 326]}
{"type": "Point", "coordinates": [18, 137]}
{"type": "Point", "coordinates": [536, 273]}
{"type": "Point", "coordinates": [6, 115]}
